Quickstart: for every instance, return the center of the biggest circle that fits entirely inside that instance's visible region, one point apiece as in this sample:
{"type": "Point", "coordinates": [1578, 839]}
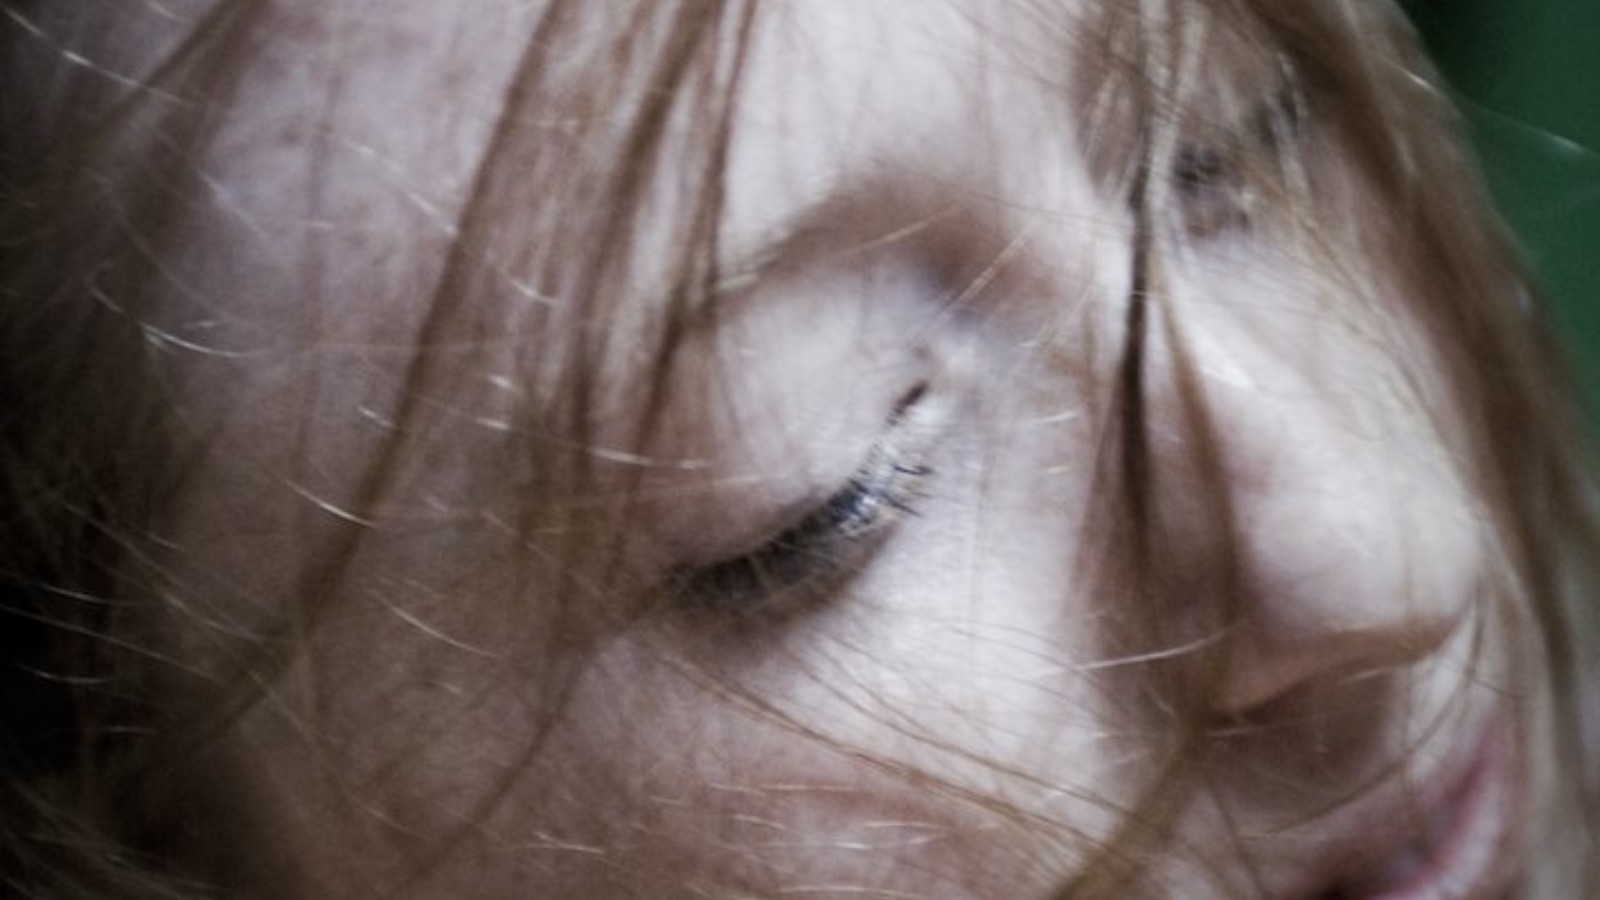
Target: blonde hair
{"type": "Point", "coordinates": [95, 188]}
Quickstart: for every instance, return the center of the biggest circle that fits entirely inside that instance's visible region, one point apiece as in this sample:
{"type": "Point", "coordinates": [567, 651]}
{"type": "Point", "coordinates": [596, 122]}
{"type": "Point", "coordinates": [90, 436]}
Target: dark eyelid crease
{"type": "Point", "coordinates": [1211, 178]}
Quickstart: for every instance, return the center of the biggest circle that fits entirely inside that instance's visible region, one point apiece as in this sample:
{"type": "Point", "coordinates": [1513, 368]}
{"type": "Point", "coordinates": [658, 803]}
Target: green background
{"type": "Point", "coordinates": [1527, 73]}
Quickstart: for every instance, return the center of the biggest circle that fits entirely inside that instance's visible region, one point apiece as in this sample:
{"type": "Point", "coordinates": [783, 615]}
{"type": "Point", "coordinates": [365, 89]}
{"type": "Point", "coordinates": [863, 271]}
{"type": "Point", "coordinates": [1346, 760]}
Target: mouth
{"type": "Point", "coordinates": [1449, 841]}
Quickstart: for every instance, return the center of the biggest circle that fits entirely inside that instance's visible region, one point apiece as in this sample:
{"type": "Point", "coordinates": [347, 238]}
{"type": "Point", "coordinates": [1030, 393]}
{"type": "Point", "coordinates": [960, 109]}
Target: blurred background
{"type": "Point", "coordinates": [1527, 74]}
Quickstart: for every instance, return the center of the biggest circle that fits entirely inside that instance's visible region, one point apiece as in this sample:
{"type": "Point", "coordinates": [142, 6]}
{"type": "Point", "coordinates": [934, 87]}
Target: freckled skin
{"type": "Point", "coordinates": [961, 716]}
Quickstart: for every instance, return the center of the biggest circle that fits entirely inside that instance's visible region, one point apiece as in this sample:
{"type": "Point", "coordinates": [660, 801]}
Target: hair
{"type": "Point", "coordinates": [104, 788]}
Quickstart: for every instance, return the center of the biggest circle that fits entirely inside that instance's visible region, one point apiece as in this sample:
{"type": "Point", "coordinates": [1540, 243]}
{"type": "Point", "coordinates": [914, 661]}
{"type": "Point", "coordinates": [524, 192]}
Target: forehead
{"type": "Point", "coordinates": [400, 110]}
{"type": "Point", "coordinates": [940, 97]}
{"type": "Point", "coordinates": [352, 142]}
{"type": "Point", "coordinates": [343, 177]}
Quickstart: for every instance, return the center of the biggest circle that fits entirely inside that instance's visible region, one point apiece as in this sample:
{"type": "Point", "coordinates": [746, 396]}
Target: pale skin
{"type": "Point", "coordinates": [955, 719]}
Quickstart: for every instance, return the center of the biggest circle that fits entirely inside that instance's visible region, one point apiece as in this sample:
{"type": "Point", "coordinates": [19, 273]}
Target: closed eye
{"type": "Point", "coordinates": [815, 557]}
{"type": "Point", "coordinates": [1219, 181]}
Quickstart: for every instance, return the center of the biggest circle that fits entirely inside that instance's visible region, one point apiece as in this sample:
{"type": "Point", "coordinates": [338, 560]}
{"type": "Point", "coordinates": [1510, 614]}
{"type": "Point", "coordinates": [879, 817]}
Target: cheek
{"type": "Point", "coordinates": [904, 737]}
{"type": "Point", "coordinates": [854, 765]}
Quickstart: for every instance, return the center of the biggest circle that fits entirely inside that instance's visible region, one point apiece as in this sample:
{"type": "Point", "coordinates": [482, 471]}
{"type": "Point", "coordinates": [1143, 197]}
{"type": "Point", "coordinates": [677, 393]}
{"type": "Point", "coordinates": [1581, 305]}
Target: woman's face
{"type": "Point", "coordinates": [878, 624]}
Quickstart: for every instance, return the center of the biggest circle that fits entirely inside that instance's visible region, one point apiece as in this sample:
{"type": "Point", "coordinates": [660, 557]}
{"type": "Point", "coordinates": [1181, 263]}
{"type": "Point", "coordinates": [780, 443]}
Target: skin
{"type": "Point", "coordinates": [965, 715]}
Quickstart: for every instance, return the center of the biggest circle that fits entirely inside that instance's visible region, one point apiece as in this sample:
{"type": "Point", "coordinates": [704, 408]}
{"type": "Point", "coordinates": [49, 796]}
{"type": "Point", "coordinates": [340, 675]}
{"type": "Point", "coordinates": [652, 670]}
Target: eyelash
{"type": "Point", "coordinates": [814, 558]}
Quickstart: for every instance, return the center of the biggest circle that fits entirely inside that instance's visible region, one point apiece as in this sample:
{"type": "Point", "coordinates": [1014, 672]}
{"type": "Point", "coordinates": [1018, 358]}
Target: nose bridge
{"type": "Point", "coordinates": [1355, 548]}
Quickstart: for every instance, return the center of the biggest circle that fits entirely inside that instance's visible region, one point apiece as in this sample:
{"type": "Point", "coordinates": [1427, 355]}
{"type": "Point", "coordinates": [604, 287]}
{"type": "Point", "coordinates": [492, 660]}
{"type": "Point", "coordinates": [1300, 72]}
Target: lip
{"type": "Point", "coordinates": [1451, 837]}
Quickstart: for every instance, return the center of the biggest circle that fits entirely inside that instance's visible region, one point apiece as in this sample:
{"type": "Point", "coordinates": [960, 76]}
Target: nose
{"type": "Point", "coordinates": [1349, 567]}
{"type": "Point", "coordinates": [1356, 546]}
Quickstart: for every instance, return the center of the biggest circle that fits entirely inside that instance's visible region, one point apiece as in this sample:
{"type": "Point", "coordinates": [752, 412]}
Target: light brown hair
{"type": "Point", "coordinates": [100, 705]}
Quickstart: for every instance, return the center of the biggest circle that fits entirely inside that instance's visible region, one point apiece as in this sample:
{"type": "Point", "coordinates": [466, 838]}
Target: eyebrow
{"type": "Point", "coordinates": [1251, 101]}
{"type": "Point", "coordinates": [962, 240]}
{"type": "Point", "coordinates": [1278, 117]}
{"type": "Point", "coordinates": [883, 211]}
{"type": "Point", "coordinates": [859, 220]}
